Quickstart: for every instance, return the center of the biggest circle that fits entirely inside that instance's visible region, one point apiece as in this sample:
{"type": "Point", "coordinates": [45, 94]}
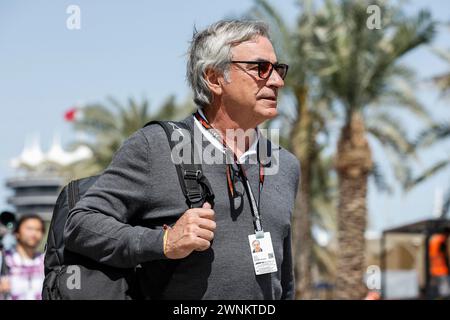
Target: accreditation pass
{"type": "Point", "coordinates": [262, 253]}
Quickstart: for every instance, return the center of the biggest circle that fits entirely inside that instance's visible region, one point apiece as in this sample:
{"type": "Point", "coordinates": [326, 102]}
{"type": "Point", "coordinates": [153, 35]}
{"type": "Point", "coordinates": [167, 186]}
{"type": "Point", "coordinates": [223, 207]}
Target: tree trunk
{"type": "Point", "coordinates": [353, 164]}
{"type": "Point", "coordinates": [302, 243]}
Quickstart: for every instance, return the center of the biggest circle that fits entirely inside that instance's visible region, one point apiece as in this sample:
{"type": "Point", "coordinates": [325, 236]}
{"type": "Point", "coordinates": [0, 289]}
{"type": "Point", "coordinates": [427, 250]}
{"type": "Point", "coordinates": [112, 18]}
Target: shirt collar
{"type": "Point", "coordinates": [247, 155]}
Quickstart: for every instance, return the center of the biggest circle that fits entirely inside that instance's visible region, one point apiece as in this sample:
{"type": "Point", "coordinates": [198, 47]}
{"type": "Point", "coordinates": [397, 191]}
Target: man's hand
{"type": "Point", "coordinates": [193, 231]}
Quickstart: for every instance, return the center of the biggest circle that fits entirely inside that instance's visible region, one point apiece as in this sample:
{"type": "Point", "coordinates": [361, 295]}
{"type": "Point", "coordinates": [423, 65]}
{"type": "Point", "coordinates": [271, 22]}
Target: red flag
{"type": "Point", "coordinates": [70, 114]}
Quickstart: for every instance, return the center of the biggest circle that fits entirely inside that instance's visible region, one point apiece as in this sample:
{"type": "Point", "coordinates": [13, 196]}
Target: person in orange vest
{"type": "Point", "coordinates": [439, 264]}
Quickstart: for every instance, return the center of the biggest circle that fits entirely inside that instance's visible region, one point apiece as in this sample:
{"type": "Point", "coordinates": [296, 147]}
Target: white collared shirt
{"type": "Point", "coordinates": [247, 155]}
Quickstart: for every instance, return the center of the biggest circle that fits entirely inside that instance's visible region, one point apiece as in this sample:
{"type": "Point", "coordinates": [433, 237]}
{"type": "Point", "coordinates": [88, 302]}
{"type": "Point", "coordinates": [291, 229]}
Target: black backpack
{"type": "Point", "coordinates": [69, 275]}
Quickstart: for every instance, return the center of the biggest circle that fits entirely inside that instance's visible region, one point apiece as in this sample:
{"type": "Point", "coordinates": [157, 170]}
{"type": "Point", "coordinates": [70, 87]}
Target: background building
{"type": "Point", "coordinates": [40, 176]}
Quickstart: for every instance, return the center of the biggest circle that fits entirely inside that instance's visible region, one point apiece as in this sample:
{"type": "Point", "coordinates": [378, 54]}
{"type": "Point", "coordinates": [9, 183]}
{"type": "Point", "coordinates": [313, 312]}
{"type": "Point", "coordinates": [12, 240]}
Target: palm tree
{"type": "Point", "coordinates": [107, 129]}
{"type": "Point", "coordinates": [363, 67]}
{"type": "Point", "coordinates": [322, 64]}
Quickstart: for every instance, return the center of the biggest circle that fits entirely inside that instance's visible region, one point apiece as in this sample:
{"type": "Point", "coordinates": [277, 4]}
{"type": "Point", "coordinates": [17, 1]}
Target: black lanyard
{"type": "Point", "coordinates": [253, 204]}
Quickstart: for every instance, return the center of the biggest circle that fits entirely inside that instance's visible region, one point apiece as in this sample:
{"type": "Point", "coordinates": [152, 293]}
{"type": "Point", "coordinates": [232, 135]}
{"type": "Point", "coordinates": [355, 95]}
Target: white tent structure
{"type": "Point", "coordinates": [37, 181]}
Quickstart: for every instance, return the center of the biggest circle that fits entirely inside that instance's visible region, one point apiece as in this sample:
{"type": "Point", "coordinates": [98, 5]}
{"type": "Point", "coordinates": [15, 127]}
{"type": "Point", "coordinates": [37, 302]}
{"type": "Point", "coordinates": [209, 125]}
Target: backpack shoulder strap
{"type": "Point", "coordinates": [195, 186]}
{"type": "Point", "coordinates": [72, 194]}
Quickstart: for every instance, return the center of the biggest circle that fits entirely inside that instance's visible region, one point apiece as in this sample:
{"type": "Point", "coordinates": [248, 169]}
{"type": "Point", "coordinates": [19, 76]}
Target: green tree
{"type": "Point", "coordinates": [337, 61]}
{"type": "Point", "coordinates": [107, 126]}
{"type": "Point", "coordinates": [364, 75]}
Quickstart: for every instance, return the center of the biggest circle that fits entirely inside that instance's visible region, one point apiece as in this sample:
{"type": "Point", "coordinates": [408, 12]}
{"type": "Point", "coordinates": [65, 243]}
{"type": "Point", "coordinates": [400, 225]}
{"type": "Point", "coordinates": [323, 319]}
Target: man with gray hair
{"type": "Point", "coordinates": [207, 252]}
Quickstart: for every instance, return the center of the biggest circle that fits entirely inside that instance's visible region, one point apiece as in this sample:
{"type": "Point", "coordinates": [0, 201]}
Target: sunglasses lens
{"type": "Point", "coordinates": [282, 70]}
{"type": "Point", "coordinates": [239, 186]}
{"type": "Point", "coordinates": [264, 69]}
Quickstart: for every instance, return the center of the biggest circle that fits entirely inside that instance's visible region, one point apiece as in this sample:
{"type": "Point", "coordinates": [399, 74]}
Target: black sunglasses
{"type": "Point", "coordinates": [265, 68]}
{"type": "Point", "coordinates": [238, 186]}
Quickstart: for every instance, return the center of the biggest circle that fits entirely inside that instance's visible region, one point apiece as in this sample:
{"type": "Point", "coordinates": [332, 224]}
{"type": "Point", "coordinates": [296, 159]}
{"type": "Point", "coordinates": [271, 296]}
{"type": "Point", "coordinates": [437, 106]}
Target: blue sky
{"type": "Point", "coordinates": [136, 48]}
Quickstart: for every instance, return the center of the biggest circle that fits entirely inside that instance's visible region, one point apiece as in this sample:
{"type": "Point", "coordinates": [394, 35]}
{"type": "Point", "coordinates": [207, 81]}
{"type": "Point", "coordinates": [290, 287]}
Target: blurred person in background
{"type": "Point", "coordinates": [7, 225]}
{"type": "Point", "coordinates": [7, 240]}
{"type": "Point", "coordinates": [23, 268]}
{"type": "Point", "coordinates": [439, 265]}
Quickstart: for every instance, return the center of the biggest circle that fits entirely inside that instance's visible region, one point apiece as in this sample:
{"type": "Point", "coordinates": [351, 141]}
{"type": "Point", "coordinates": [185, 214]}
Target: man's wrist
{"type": "Point", "coordinates": [166, 233]}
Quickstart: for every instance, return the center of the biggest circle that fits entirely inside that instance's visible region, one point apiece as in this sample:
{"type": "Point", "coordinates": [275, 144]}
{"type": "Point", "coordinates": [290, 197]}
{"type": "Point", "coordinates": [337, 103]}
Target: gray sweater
{"type": "Point", "coordinates": [119, 222]}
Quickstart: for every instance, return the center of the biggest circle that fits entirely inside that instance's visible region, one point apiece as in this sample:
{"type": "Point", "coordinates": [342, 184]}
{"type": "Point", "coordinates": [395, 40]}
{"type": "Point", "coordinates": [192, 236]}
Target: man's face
{"type": "Point", "coordinates": [245, 91]}
{"type": "Point", "coordinates": [257, 246]}
{"type": "Point", "coordinates": [30, 233]}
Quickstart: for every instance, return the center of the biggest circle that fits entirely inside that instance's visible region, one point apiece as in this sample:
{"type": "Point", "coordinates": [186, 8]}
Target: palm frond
{"type": "Point", "coordinates": [433, 134]}
{"type": "Point", "coordinates": [428, 173]}
{"type": "Point", "coordinates": [390, 133]}
{"type": "Point", "coordinates": [379, 179]}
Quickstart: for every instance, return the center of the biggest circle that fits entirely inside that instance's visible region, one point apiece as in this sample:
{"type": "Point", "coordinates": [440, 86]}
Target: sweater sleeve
{"type": "Point", "coordinates": [98, 226]}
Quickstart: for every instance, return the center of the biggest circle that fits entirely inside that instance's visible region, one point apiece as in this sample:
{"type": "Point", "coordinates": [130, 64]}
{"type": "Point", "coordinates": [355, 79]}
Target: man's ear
{"type": "Point", "coordinates": [214, 81]}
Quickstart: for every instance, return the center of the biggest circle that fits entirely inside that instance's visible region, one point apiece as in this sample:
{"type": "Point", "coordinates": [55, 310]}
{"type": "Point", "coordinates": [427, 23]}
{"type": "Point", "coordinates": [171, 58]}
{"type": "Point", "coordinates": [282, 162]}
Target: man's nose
{"type": "Point", "coordinates": [275, 80]}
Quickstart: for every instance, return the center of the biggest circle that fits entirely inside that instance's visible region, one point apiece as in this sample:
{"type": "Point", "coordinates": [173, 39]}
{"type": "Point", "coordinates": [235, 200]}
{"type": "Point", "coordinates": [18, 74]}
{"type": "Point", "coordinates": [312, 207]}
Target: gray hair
{"type": "Point", "coordinates": [211, 48]}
